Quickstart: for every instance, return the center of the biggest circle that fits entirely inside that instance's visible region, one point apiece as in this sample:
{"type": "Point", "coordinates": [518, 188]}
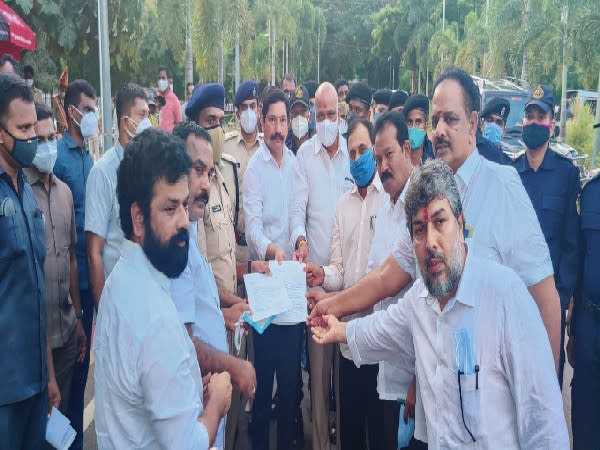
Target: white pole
{"type": "Point", "coordinates": [105, 89]}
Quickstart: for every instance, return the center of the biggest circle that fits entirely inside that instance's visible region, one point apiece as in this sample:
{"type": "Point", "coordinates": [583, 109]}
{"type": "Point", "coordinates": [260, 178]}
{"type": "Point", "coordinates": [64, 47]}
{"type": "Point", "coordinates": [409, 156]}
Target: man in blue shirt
{"type": "Point", "coordinates": [23, 345]}
{"type": "Point", "coordinates": [585, 326]}
{"type": "Point", "coordinates": [73, 166]}
{"type": "Point", "coordinates": [552, 183]}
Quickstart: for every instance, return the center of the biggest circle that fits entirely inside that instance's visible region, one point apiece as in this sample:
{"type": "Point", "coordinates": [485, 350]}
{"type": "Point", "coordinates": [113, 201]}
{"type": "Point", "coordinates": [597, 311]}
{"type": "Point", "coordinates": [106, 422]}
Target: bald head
{"type": "Point", "coordinates": [326, 102]}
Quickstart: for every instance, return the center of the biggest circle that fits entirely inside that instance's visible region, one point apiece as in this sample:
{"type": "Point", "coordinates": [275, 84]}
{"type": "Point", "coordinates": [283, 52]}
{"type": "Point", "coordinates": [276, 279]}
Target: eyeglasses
{"type": "Point", "coordinates": [462, 413]}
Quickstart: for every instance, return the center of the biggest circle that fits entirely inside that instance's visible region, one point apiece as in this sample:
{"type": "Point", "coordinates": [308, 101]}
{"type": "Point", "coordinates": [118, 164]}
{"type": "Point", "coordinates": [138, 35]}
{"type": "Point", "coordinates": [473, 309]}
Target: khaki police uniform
{"type": "Point", "coordinates": [236, 147]}
{"type": "Point", "coordinates": [219, 230]}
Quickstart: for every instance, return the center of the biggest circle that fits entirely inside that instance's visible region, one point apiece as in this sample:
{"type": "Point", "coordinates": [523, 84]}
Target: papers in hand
{"type": "Point", "coordinates": [59, 433]}
{"type": "Point", "coordinates": [282, 294]}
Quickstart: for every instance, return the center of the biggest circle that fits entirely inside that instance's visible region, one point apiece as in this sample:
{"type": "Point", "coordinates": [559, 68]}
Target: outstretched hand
{"type": "Point", "coordinates": [330, 331]}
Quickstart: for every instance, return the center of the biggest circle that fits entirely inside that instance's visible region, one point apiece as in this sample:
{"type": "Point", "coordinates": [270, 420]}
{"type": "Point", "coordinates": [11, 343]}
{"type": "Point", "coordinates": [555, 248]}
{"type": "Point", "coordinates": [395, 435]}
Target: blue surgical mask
{"type": "Point", "coordinates": [376, 117]}
{"type": "Point", "coordinates": [363, 169]}
{"type": "Point", "coordinates": [493, 133]}
{"type": "Point", "coordinates": [24, 150]}
{"type": "Point", "coordinates": [416, 136]}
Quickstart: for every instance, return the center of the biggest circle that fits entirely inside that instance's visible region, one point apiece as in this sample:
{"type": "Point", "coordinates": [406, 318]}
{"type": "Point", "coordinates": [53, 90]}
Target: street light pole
{"type": "Point", "coordinates": [105, 88]}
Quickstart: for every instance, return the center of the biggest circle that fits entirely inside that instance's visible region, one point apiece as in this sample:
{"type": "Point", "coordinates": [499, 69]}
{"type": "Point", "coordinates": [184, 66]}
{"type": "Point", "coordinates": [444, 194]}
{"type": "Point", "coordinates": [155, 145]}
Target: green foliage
{"type": "Point", "coordinates": [580, 131]}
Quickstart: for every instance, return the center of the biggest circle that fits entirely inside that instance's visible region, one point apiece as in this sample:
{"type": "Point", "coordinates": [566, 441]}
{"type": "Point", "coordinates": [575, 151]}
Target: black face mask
{"type": "Point", "coordinates": [535, 135]}
{"type": "Point", "coordinates": [169, 259]}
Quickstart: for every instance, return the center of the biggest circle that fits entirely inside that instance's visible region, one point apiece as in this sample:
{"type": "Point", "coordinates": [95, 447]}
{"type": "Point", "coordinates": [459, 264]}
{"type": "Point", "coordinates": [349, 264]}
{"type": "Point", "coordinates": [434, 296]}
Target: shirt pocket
{"type": "Point", "coordinates": [469, 396]}
{"type": "Point", "coordinates": [590, 224]}
{"type": "Point", "coordinates": [552, 211]}
{"type": "Point", "coordinates": [38, 235]}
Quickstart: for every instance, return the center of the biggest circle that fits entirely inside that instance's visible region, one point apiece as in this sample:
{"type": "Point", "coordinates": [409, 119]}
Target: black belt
{"type": "Point", "coordinates": [591, 307]}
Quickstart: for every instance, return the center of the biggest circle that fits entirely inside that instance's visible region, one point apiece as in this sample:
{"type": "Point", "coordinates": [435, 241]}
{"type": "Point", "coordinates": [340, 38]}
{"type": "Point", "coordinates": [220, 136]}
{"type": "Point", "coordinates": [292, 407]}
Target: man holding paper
{"type": "Point", "coordinates": [266, 195]}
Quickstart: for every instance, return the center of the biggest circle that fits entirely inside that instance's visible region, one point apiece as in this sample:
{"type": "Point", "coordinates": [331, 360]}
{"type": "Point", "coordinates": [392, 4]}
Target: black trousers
{"type": "Point", "coordinates": [276, 354]}
{"type": "Point", "coordinates": [361, 411]}
{"type": "Point", "coordinates": [23, 424]}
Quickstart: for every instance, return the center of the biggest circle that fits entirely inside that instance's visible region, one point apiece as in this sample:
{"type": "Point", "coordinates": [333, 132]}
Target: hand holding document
{"type": "Point", "coordinates": [281, 295]}
{"type": "Point", "coordinates": [59, 432]}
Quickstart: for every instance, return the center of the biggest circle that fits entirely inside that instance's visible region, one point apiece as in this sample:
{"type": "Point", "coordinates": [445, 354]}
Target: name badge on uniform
{"type": "Point", "coordinates": [216, 208]}
{"type": "Point", "coordinates": [469, 232]}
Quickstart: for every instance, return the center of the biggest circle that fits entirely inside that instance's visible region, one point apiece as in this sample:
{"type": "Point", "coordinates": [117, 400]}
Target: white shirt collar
{"type": "Point", "coordinates": [342, 146]}
{"type": "Point", "coordinates": [466, 171]}
{"type": "Point", "coordinates": [375, 185]}
{"type": "Point", "coordinates": [266, 153]}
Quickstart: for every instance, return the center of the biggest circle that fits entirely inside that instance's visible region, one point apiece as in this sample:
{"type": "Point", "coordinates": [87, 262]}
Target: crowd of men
{"type": "Point", "coordinates": [442, 275]}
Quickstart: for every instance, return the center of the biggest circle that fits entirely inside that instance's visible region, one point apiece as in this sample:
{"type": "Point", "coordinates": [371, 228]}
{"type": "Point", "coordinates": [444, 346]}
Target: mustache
{"type": "Point", "coordinates": [277, 136]}
{"type": "Point", "coordinates": [385, 176]}
{"type": "Point", "coordinates": [439, 141]}
{"type": "Point", "coordinates": [202, 197]}
{"type": "Point", "coordinates": [182, 235]}
{"type": "Point", "coordinates": [431, 255]}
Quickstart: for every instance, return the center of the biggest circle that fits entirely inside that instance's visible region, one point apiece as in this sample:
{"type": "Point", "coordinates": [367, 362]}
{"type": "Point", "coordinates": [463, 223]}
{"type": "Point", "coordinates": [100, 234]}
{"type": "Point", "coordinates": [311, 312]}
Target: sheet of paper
{"type": "Point", "coordinates": [267, 295]}
{"type": "Point", "coordinates": [294, 279]}
{"type": "Point", "coordinates": [59, 433]}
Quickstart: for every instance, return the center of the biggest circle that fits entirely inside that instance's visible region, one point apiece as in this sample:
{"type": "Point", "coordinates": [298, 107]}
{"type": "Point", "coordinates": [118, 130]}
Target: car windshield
{"type": "Point", "coordinates": [517, 108]}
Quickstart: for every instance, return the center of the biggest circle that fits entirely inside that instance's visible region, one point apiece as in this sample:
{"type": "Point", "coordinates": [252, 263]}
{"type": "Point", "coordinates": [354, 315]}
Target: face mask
{"type": "Point", "coordinates": [343, 127]}
{"type": "Point", "coordinates": [327, 132]}
{"type": "Point", "coordinates": [88, 124]}
{"type": "Point", "coordinates": [248, 121]}
{"type": "Point", "coordinates": [376, 117]}
{"type": "Point", "coordinates": [140, 127]}
{"type": "Point", "coordinates": [23, 149]}
{"type": "Point", "coordinates": [352, 116]}
{"type": "Point", "coordinates": [416, 136]}
{"type": "Point", "coordinates": [217, 137]}
{"type": "Point", "coordinates": [299, 126]}
{"type": "Point", "coordinates": [363, 169]}
{"type": "Point", "coordinates": [45, 157]}
{"type": "Point", "coordinates": [535, 135]}
{"type": "Point", "coordinates": [29, 82]}
{"type": "Point", "coordinates": [163, 85]}
{"type": "Point", "coordinates": [493, 133]}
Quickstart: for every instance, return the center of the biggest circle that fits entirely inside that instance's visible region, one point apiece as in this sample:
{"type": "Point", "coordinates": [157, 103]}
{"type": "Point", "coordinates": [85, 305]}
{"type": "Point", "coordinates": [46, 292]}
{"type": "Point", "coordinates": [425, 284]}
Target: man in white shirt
{"type": "Point", "coordinates": [359, 410]}
{"type": "Point", "coordinates": [103, 230]}
{"type": "Point", "coordinates": [195, 291]}
{"type": "Point", "coordinates": [268, 186]}
{"type": "Point", "coordinates": [495, 203]}
{"type": "Point", "coordinates": [472, 330]}
{"type": "Point", "coordinates": [322, 176]}
{"type": "Point", "coordinates": [149, 392]}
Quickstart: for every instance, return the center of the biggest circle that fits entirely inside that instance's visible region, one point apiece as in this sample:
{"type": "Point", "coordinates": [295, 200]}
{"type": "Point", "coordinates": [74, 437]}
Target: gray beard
{"type": "Point", "coordinates": [440, 289]}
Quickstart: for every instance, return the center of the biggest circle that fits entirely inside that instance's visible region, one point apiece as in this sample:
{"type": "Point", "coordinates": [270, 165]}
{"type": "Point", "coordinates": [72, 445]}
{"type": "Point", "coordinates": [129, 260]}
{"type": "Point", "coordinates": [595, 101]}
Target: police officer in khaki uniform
{"type": "Point", "coordinates": [206, 108]}
{"type": "Point", "coordinates": [242, 145]}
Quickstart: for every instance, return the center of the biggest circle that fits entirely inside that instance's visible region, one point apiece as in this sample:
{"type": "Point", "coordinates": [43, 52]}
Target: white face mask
{"type": "Point", "coordinates": [343, 127]}
{"type": "Point", "coordinates": [248, 121]}
{"type": "Point", "coordinates": [140, 127]}
{"type": "Point", "coordinates": [29, 82]}
{"type": "Point", "coordinates": [88, 124]}
{"type": "Point", "coordinates": [299, 126]}
{"type": "Point", "coordinates": [163, 85]}
{"type": "Point", "coordinates": [327, 131]}
{"type": "Point", "coordinates": [45, 156]}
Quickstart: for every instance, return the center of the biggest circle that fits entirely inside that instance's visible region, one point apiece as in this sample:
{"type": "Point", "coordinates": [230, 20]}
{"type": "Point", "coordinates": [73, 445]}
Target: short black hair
{"type": "Point", "coordinates": [149, 157]}
{"type": "Point", "coordinates": [189, 84]}
{"type": "Point", "coordinates": [43, 112]}
{"type": "Point", "coordinates": [275, 95]}
{"type": "Point", "coordinates": [339, 83]}
{"type": "Point", "coordinates": [126, 96]}
{"type": "Point", "coordinates": [287, 77]}
{"type": "Point", "coordinates": [396, 119]}
{"type": "Point", "coordinates": [471, 93]}
{"type": "Point", "coordinates": [7, 57]}
{"type": "Point", "coordinates": [11, 88]}
{"type": "Point", "coordinates": [28, 70]}
{"type": "Point", "coordinates": [74, 91]}
{"type": "Point", "coordinates": [184, 129]}
{"type": "Point", "coordinates": [167, 71]}
{"type": "Point", "coordinates": [364, 122]}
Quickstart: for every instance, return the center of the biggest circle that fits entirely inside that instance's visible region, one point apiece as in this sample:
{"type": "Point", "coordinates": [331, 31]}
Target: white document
{"type": "Point", "coordinates": [267, 295]}
{"type": "Point", "coordinates": [59, 432]}
{"type": "Point", "coordinates": [294, 278]}
{"type": "Point", "coordinates": [281, 294]}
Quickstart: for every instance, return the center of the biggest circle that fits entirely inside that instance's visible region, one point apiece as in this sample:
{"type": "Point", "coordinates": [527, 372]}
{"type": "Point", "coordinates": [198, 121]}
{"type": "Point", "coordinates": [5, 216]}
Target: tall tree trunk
{"type": "Point", "coordinates": [563, 99]}
{"type": "Point", "coordinates": [237, 60]}
{"type": "Point", "coordinates": [189, 58]}
{"type": "Point", "coordinates": [525, 62]}
{"type": "Point", "coordinates": [221, 67]}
